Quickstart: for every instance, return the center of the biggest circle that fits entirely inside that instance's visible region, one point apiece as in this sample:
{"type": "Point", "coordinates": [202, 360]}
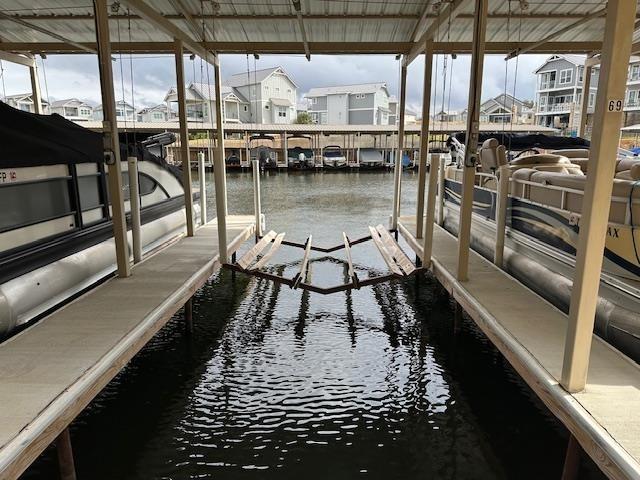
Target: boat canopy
{"type": "Point", "coordinates": [29, 140]}
{"type": "Point", "coordinates": [519, 141]}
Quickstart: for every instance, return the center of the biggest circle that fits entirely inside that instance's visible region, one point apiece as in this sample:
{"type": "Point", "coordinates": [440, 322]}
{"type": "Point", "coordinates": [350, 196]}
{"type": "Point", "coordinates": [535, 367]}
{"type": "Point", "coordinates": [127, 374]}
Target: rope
{"type": "Point", "coordinates": [46, 85]}
{"type": "Point", "coordinates": [126, 132]}
{"type": "Point", "coordinates": [133, 101]}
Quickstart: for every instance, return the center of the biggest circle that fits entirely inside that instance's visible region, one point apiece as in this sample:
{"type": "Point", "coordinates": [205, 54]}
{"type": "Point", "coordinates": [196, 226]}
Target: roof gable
{"type": "Point", "coordinates": [347, 89]}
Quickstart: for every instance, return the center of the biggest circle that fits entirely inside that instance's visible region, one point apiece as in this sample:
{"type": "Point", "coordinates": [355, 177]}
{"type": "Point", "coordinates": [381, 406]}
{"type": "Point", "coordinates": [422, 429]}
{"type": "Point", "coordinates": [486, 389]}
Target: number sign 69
{"type": "Point", "coordinates": [614, 105]}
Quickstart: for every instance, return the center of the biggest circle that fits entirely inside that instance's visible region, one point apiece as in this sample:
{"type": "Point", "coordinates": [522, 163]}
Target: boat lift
{"type": "Point", "coordinates": [397, 261]}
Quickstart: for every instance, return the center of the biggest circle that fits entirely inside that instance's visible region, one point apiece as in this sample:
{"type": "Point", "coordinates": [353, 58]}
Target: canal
{"type": "Point", "coordinates": [276, 383]}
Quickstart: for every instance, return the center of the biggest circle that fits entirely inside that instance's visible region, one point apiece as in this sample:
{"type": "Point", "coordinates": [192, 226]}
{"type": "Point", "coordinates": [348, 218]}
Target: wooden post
{"type": "Point", "coordinates": [427, 242]}
{"type": "Point", "coordinates": [571, 460]}
{"type": "Point", "coordinates": [184, 138]}
{"type": "Point", "coordinates": [441, 193]}
{"type": "Point", "coordinates": [586, 90]}
{"type": "Point", "coordinates": [203, 187]}
{"type": "Point", "coordinates": [398, 161]}
{"type": "Point", "coordinates": [257, 206]}
{"type": "Point", "coordinates": [35, 88]}
{"type": "Point", "coordinates": [471, 142]}
{"type": "Point", "coordinates": [502, 201]}
{"type": "Point", "coordinates": [134, 210]}
{"type": "Point", "coordinates": [597, 195]}
{"type": "Point", "coordinates": [359, 140]}
{"type": "Point", "coordinates": [424, 136]}
{"type": "Point", "coordinates": [219, 168]}
{"type": "Point", "coordinates": [111, 144]}
{"type": "Point", "coordinates": [65, 456]}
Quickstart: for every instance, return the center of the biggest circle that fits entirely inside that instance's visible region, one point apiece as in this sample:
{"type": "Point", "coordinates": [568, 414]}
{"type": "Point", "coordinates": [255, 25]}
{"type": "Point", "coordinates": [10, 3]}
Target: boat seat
{"type": "Point", "coordinates": [633, 174]}
{"type": "Point", "coordinates": [492, 156]}
{"type": "Point", "coordinates": [622, 190]}
{"type": "Point", "coordinates": [546, 162]}
{"type": "Point", "coordinates": [626, 164]}
{"type": "Point", "coordinates": [572, 153]}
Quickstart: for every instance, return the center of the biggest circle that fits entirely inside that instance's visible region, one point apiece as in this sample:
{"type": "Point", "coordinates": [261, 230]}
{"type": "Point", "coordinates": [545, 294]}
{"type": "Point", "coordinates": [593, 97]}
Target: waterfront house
{"type": "Point", "coordinates": [24, 102]}
{"type": "Point", "coordinates": [73, 109]}
{"type": "Point", "coordinates": [361, 104]}
{"type": "Point", "coordinates": [157, 113]}
{"type": "Point", "coordinates": [409, 115]}
{"type": "Point", "coordinates": [505, 108]}
{"type": "Point", "coordinates": [125, 112]}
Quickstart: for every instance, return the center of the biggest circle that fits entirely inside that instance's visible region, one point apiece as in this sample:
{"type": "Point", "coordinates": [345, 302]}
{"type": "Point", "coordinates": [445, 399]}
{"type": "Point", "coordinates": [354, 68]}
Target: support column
{"type": "Point", "coordinates": [424, 137]}
{"type": "Point", "coordinates": [184, 138]}
{"type": "Point", "coordinates": [111, 144]}
{"type": "Point", "coordinates": [571, 460]}
{"type": "Point", "coordinates": [35, 88]}
{"type": "Point", "coordinates": [65, 456]}
{"type": "Point", "coordinates": [398, 161]}
{"type": "Point", "coordinates": [597, 195]}
{"type": "Point", "coordinates": [219, 168]}
{"type": "Point", "coordinates": [471, 142]}
{"type": "Point", "coordinates": [586, 90]}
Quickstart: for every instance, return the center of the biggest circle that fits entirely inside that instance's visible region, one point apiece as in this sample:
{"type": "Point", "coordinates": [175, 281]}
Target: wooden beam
{"type": "Point", "coordinates": [302, 273]}
{"type": "Point", "coordinates": [110, 138]}
{"type": "Point", "coordinates": [325, 48]}
{"type": "Point", "coordinates": [400, 111]}
{"type": "Point", "coordinates": [184, 139]}
{"type": "Point", "coordinates": [424, 17]}
{"type": "Point", "coordinates": [586, 93]}
{"type": "Point", "coordinates": [64, 451]}
{"type": "Point", "coordinates": [152, 15]}
{"type": "Point", "coordinates": [568, 28]}
{"type": "Point", "coordinates": [193, 25]}
{"type": "Point", "coordinates": [277, 243]}
{"type": "Point", "coordinates": [303, 33]}
{"type": "Point", "coordinates": [386, 255]}
{"type": "Point", "coordinates": [597, 195]}
{"type": "Point", "coordinates": [424, 136]}
{"type": "Point", "coordinates": [249, 257]}
{"type": "Point", "coordinates": [27, 61]}
{"type": "Point", "coordinates": [447, 13]}
{"type": "Point", "coordinates": [35, 88]}
{"type": "Point", "coordinates": [471, 142]}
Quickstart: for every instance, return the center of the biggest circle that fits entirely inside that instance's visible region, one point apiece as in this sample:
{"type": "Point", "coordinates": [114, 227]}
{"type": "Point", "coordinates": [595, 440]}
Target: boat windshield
{"type": "Point", "coordinates": [333, 153]}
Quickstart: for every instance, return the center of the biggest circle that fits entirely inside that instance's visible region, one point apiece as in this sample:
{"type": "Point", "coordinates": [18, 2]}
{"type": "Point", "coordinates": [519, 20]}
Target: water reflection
{"type": "Point", "coordinates": [282, 383]}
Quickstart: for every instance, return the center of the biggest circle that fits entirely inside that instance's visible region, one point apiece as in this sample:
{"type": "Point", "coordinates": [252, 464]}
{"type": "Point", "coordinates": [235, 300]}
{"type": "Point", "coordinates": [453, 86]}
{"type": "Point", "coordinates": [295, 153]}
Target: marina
{"type": "Point", "coordinates": [330, 308]}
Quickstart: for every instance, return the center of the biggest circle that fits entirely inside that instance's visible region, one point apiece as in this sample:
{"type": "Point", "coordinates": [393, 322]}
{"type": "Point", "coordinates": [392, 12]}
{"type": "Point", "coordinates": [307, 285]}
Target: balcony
{"type": "Point", "coordinates": [555, 108]}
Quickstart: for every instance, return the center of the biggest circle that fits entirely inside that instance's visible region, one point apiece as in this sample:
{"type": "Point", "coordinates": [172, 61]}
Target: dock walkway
{"type": "Point", "coordinates": [530, 333]}
{"type": "Point", "coordinates": [50, 372]}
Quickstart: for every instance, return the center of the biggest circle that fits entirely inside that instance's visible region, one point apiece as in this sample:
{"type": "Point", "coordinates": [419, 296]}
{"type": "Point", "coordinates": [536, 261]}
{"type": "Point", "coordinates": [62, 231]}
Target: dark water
{"type": "Point", "coordinates": [276, 383]}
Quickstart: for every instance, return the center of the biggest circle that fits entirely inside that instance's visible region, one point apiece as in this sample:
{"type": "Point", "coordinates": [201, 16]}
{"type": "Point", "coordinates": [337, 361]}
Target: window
{"type": "Point", "coordinates": [158, 115]}
{"type": "Point", "coordinates": [119, 113]}
{"type": "Point", "coordinates": [592, 99]}
{"type": "Point", "coordinates": [266, 89]}
{"type": "Point", "coordinates": [266, 107]}
{"type": "Point", "coordinates": [34, 202]}
{"type": "Point", "coordinates": [543, 100]}
{"type": "Point", "coordinates": [85, 112]}
{"type": "Point", "coordinates": [245, 108]}
{"type": "Point", "coordinates": [632, 98]}
{"type": "Point", "coordinates": [547, 80]}
{"type": "Point", "coordinates": [277, 90]}
{"type": "Point", "coordinates": [360, 95]}
{"type": "Point", "coordinates": [314, 101]}
{"type": "Point", "coordinates": [566, 76]}
{"type": "Point", "coordinates": [634, 72]}
{"type": "Point", "coordinates": [289, 91]}
{"type": "Point", "coordinates": [146, 185]}
{"type": "Point", "coordinates": [89, 190]}
{"type": "Point", "coordinates": [580, 74]}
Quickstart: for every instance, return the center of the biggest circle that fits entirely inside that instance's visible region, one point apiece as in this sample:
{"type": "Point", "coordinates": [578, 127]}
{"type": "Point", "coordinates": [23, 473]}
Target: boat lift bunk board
{"type": "Point", "coordinates": [399, 264]}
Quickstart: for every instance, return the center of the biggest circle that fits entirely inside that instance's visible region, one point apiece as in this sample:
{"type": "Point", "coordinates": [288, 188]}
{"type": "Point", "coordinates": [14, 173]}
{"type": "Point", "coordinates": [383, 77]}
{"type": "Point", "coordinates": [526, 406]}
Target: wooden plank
{"type": "Point", "coordinates": [531, 333]}
{"type": "Point", "coordinates": [249, 257]}
{"type": "Point", "coordinates": [353, 277]}
{"type": "Point", "coordinates": [267, 256]}
{"type": "Point", "coordinates": [396, 252]}
{"type": "Point", "coordinates": [302, 273]}
{"type": "Point", "coordinates": [384, 252]}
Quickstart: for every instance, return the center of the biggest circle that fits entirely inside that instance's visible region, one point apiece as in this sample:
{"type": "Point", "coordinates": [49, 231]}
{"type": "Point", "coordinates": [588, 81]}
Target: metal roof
{"type": "Point", "coordinates": [344, 89]}
{"type": "Point", "coordinates": [332, 26]}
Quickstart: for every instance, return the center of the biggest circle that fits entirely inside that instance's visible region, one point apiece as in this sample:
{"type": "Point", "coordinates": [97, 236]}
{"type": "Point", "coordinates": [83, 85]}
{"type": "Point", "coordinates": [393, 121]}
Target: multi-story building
{"type": "Point", "coordinates": [24, 102]}
{"type": "Point", "coordinates": [559, 91]}
{"type": "Point", "coordinates": [362, 104]}
{"type": "Point", "coordinates": [73, 109]}
{"type": "Point", "coordinates": [263, 96]}
{"type": "Point", "coordinates": [125, 112]}
{"type": "Point", "coordinates": [505, 108]}
{"type": "Point", "coordinates": [632, 97]}
{"type": "Point", "coordinates": [153, 114]}
{"type": "Point", "coordinates": [409, 115]}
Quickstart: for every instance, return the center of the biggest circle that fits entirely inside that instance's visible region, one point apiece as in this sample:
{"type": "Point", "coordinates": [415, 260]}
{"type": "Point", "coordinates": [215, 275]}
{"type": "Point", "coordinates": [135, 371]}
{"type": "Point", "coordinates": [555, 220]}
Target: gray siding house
{"type": "Point", "coordinates": [263, 96]}
{"type": "Point", "coordinates": [153, 114]}
{"type": "Point", "coordinates": [559, 91]}
{"type": "Point", "coordinates": [73, 109]}
{"type": "Point", "coordinates": [362, 104]}
{"type": "Point", "coordinates": [632, 97]}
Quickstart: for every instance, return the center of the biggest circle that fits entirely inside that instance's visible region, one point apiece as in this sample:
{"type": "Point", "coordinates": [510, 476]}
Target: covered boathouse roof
{"type": "Point", "coordinates": [329, 26]}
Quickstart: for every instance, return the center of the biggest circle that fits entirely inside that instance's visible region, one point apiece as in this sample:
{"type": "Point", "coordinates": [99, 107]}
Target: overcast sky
{"type": "Point", "coordinates": [77, 76]}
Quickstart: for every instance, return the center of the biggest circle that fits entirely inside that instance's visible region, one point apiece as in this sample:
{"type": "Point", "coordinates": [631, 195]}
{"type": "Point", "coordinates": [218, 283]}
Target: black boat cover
{"type": "Point", "coordinates": [522, 141]}
{"type": "Point", "coordinates": [30, 140]}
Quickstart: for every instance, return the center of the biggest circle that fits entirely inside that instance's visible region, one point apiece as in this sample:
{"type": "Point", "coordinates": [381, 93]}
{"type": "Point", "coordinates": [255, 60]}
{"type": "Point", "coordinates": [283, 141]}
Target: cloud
{"type": "Point", "coordinates": [77, 75]}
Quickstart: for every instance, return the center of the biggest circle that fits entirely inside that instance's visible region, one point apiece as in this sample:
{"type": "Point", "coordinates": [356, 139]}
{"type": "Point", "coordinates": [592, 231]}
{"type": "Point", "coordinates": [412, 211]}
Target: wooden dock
{"type": "Point", "coordinates": [51, 371]}
{"type": "Point", "coordinates": [530, 333]}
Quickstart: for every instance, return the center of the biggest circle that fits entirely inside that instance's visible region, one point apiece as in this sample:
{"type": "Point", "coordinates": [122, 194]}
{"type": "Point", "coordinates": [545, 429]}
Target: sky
{"type": "Point", "coordinates": [69, 76]}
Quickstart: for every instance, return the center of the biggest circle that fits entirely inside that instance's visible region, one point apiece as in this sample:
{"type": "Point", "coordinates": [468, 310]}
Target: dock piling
{"type": "Point", "coordinates": [427, 240]}
{"type": "Point", "coordinates": [257, 207]}
{"type": "Point", "coordinates": [188, 315]}
{"type": "Point", "coordinates": [502, 201]}
{"type": "Point", "coordinates": [65, 456]}
{"type": "Point", "coordinates": [571, 460]}
{"type": "Point", "coordinates": [203, 188]}
{"type": "Point", "coordinates": [134, 201]}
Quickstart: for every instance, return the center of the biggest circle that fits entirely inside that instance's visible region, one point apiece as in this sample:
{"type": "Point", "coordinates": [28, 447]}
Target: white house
{"type": "Point", "coordinates": [505, 108]}
{"type": "Point", "coordinates": [124, 112]}
{"type": "Point", "coordinates": [153, 114]}
{"type": "Point", "coordinates": [409, 115]}
{"type": "Point", "coordinates": [361, 104]}
{"type": "Point", "coordinates": [73, 109]}
{"type": "Point", "coordinates": [262, 96]}
{"type": "Point", "coordinates": [24, 102]}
